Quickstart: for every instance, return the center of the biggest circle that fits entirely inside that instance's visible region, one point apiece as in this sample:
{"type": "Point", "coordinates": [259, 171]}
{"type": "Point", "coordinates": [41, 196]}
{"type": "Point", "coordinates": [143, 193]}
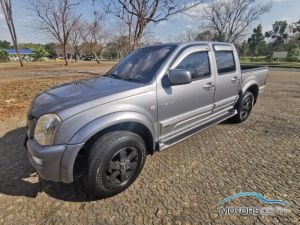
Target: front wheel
{"type": "Point", "coordinates": [114, 162]}
{"type": "Point", "coordinates": [244, 108]}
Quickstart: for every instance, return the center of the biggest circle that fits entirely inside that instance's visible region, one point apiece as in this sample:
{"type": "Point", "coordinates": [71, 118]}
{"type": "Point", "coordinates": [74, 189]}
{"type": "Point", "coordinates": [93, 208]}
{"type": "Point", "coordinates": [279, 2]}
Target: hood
{"type": "Point", "coordinates": [78, 92]}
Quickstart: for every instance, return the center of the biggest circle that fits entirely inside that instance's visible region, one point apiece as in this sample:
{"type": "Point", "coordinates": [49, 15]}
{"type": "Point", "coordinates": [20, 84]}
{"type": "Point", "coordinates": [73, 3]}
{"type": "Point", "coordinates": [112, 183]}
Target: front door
{"type": "Point", "coordinates": [183, 106]}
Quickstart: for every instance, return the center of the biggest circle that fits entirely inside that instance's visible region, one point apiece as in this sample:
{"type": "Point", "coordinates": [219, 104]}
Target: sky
{"type": "Point", "coordinates": [288, 10]}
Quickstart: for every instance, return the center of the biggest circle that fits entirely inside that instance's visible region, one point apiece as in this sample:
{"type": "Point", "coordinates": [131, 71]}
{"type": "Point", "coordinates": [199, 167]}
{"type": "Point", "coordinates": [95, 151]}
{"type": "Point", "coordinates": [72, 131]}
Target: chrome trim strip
{"type": "Point", "coordinates": [164, 145]}
{"type": "Point", "coordinates": [195, 124]}
{"type": "Point", "coordinates": [187, 116]}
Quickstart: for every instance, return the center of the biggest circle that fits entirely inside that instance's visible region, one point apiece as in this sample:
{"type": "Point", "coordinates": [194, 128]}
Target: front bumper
{"type": "Point", "coordinates": [54, 162]}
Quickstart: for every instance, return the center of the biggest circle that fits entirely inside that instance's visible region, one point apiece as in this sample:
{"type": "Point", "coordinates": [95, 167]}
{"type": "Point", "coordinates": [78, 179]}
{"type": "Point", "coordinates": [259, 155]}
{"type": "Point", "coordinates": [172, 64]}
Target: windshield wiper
{"type": "Point", "coordinates": [131, 79]}
{"type": "Point", "coordinates": [112, 75]}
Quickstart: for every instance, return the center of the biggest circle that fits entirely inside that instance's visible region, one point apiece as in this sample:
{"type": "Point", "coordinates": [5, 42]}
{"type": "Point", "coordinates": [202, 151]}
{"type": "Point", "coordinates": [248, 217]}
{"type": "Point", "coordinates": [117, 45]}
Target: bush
{"type": "Point", "coordinates": [40, 53]}
{"type": "Point", "coordinates": [4, 57]}
{"type": "Point", "coordinates": [292, 59]}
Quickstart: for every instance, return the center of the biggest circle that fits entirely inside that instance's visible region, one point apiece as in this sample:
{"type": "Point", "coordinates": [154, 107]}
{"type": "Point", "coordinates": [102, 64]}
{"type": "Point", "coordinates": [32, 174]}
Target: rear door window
{"type": "Point", "coordinates": [225, 62]}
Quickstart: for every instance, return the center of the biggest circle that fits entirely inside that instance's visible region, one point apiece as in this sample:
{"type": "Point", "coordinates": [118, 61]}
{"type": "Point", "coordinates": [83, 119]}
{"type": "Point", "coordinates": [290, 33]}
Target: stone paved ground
{"type": "Point", "coordinates": [181, 185]}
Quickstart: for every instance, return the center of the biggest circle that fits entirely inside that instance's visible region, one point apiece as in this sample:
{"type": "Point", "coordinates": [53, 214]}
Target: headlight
{"type": "Point", "coordinates": [46, 128]}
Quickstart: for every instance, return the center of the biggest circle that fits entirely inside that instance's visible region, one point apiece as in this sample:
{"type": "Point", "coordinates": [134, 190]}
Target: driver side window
{"type": "Point", "coordinates": [197, 63]}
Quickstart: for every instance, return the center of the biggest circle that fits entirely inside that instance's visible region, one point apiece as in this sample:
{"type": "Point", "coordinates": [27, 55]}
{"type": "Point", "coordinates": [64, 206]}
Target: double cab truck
{"type": "Point", "coordinates": [154, 98]}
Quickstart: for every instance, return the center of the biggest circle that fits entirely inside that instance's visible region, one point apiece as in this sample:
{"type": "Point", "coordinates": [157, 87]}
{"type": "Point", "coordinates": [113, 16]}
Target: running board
{"type": "Point", "coordinates": [194, 130]}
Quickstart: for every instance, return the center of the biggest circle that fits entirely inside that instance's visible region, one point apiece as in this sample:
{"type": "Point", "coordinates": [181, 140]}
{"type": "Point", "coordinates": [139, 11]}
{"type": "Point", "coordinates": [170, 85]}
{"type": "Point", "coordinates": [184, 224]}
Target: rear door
{"type": "Point", "coordinates": [228, 77]}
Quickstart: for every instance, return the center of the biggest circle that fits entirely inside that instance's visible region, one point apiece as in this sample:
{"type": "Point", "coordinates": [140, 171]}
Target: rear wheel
{"type": "Point", "coordinates": [115, 161]}
{"type": "Point", "coordinates": [244, 108]}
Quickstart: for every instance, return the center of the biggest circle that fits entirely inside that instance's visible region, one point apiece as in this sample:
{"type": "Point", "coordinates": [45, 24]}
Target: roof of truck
{"type": "Point", "coordinates": [183, 44]}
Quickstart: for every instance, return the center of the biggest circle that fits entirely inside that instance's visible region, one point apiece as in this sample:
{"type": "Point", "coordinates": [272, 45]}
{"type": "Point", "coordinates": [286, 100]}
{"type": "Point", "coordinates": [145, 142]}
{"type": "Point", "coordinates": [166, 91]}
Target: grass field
{"type": "Point", "coordinates": [273, 64]}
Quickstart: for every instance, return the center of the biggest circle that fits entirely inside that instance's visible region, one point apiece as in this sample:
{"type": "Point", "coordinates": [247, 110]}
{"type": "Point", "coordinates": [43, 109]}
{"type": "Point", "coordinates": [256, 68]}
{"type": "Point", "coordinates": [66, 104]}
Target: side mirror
{"type": "Point", "coordinates": [178, 76]}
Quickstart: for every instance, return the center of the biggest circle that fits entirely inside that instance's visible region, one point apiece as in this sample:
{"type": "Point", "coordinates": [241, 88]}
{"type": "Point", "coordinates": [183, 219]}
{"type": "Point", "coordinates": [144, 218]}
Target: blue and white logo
{"type": "Point", "coordinates": [275, 207]}
{"type": "Point", "coordinates": [259, 196]}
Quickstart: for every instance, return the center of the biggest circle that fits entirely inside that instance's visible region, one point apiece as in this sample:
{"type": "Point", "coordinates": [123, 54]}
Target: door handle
{"type": "Point", "coordinates": [208, 85]}
{"type": "Point", "coordinates": [235, 79]}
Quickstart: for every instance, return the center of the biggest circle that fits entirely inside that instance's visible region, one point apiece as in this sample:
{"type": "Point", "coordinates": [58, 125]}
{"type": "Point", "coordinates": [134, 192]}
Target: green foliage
{"type": "Point", "coordinates": [40, 52]}
{"type": "Point", "coordinates": [29, 46]}
{"type": "Point", "coordinates": [296, 29]}
{"type": "Point", "coordinates": [243, 49]}
{"type": "Point", "coordinates": [4, 56]}
{"type": "Point", "coordinates": [5, 44]}
{"type": "Point", "coordinates": [293, 53]}
{"type": "Point", "coordinates": [50, 48]}
{"type": "Point", "coordinates": [278, 34]}
{"type": "Point", "coordinates": [256, 41]}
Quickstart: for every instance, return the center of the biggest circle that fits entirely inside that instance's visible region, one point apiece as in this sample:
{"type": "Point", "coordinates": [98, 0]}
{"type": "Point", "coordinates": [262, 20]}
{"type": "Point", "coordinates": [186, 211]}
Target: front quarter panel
{"type": "Point", "coordinates": [80, 127]}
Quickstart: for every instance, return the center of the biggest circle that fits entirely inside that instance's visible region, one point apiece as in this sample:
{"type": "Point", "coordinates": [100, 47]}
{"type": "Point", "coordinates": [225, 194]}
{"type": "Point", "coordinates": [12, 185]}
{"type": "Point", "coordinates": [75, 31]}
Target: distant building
{"type": "Point", "coordinates": [280, 55]}
{"type": "Point", "coordinates": [26, 54]}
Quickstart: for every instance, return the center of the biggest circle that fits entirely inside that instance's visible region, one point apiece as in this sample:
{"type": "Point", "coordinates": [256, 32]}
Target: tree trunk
{"type": "Point", "coordinates": [19, 56]}
{"type": "Point", "coordinates": [96, 56]}
{"type": "Point", "coordinates": [65, 55]}
{"type": "Point", "coordinates": [75, 54]}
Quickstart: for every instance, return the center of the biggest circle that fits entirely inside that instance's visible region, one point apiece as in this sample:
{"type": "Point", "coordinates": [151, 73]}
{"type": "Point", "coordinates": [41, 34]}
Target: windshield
{"type": "Point", "coordinates": [142, 64]}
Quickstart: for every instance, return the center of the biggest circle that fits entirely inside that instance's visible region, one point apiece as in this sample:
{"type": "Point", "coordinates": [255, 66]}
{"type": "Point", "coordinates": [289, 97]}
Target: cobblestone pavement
{"type": "Point", "coordinates": [181, 185]}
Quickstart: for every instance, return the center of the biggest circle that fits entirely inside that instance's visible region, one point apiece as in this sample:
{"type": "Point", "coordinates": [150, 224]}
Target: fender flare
{"type": "Point", "coordinates": [103, 122]}
{"type": "Point", "coordinates": [249, 84]}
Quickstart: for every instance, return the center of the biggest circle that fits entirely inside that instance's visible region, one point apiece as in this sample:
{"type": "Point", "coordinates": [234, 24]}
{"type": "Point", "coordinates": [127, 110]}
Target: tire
{"type": "Point", "coordinates": [114, 162]}
{"type": "Point", "coordinates": [244, 108]}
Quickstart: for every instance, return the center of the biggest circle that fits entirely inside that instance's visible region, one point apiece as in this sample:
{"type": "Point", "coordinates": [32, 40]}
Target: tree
{"type": "Point", "coordinates": [40, 53]}
{"type": "Point", "coordinates": [51, 49]}
{"type": "Point", "coordinates": [5, 44]}
{"type": "Point", "coordinates": [230, 19]}
{"type": "Point", "coordinates": [138, 14]}
{"type": "Point", "coordinates": [205, 35]}
{"type": "Point", "coordinates": [296, 29]}
{"type": "Point", "coordinates": [293, 52]}
{"type": "Point", "coordinates": [256, 41]}
{"type": "Point", "coordinates": [243, 49]}
{"type": "Point", "coordinates": [8, 13]}
{"type": "Point", "coordinates": [93, 36]}
{"type": "Point", "coordinates": [117, 48]}
{"type": "Point", "coordinates": [58, 18]}
{"type": "Point", "coordinates": [76, 39]}
{"type": "Point", "coordinates": [4, 57]}
{"type": "Point", "coordinates": [278, 34]}
{"type": "Point", "coordinates": [190, 34]}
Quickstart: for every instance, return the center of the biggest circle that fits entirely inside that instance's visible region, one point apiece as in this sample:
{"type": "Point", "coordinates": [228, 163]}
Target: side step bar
{"type": "Point", "coordinates": [194, 130]}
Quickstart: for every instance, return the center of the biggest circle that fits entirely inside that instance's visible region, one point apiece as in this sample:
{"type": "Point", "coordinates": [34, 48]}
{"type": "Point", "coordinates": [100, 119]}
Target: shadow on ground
{"type": "Point", "coordinates": [18, 177]}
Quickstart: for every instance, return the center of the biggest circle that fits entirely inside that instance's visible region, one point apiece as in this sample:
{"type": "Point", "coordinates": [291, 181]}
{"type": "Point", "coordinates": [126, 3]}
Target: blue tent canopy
{"type": "Point", "coordinates": [21, 51]}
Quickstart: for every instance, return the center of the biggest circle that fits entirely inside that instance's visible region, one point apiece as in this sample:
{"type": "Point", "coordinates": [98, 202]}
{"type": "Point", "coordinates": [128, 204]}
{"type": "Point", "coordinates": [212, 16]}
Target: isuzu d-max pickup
{"type": "Point", "coordinates": [155, 97]}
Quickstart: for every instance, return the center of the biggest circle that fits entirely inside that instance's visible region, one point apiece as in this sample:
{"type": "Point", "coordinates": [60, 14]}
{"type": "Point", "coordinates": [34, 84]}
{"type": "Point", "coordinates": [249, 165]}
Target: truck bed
{"type": "Point", "coordinates": [249, 68]}
{"type": "Point", "coordinates": [257, 73]}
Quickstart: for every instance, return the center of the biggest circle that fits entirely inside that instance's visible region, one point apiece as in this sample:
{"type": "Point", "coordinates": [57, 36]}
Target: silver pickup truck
{"type": "Point", "coordinates": [154, 98]}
